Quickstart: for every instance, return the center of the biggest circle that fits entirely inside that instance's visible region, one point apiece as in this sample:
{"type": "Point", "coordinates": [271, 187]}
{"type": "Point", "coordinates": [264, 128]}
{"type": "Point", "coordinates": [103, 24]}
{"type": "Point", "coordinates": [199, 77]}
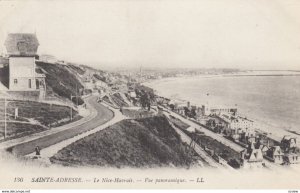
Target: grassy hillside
{"type": "Point", "coordinates": [118, 100]}
{"type": "Point", "coordinates": [212, 145]}
{"type": "Point", "coordinates": [44, 113]}
{"type": "Point", "coordinates": [141, 113]}
{"type": "Point", "coordinates": [16, 129]}
{"type": "Point", "coordinates": [178, 123]}
{"type": "Point", "coordinates": [148, 142]}
{"type": "Point", "coordinates": [4, 78]}
{"type": "Point", "coordinates": [61, 80]}
{"type": "Point", "coordinates": [33, 117]}
{"type": "Point", "coordinates": [76, 68]}
{"type": "Point", "coordinates": [100, 77]}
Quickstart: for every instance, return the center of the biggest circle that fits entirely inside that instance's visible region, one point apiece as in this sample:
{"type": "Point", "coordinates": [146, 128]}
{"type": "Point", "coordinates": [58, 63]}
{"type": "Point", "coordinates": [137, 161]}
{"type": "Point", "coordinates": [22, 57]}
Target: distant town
{"type": "Point", "coordinates": [115, 110]}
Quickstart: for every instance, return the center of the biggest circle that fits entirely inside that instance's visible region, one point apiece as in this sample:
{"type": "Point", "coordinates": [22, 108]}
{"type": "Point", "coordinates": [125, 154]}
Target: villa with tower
{"type": "Point", "coordinates": [22, 74]}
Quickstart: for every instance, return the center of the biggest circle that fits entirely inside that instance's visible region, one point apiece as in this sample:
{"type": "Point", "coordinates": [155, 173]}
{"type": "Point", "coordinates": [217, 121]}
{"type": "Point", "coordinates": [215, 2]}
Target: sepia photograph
{"type": "Point", "coordinates": [168, 94]}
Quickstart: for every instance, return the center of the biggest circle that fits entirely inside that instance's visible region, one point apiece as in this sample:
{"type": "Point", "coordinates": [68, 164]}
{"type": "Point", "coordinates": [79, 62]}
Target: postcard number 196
{"type": "Point", "coordinates": [18, 179]}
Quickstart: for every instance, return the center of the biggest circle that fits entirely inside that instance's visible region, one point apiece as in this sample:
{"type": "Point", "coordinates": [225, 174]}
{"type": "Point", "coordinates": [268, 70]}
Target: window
{"type": "Point", "coordinates": [37, 84]}
{"type": "Point", "coordinates": [15, 81]}
{"type": "Point", "coordinates": [29, 83]}
{"type": "Point", "coordinates": [22, 47]}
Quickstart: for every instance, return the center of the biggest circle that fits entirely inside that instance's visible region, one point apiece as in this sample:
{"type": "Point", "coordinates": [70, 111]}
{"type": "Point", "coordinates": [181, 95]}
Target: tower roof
{"type": "Point", "coordinates": [21, 44]}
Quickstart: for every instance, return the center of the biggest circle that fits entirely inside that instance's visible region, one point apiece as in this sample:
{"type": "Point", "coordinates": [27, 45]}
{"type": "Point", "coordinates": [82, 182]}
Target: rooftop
{"type": "Point", "coordinates": [21, 44]}
{"type": "Point", "coordinates": [3, 60]}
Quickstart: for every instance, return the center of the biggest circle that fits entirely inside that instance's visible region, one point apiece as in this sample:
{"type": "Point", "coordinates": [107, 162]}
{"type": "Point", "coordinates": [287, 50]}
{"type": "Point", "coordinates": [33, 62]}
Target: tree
{"type": "Point", "coordinates": [145, 100]}
{"type": "Point", "coordinates": [193, 113]}
{"type": "Point", "coordinates": [172, 106]}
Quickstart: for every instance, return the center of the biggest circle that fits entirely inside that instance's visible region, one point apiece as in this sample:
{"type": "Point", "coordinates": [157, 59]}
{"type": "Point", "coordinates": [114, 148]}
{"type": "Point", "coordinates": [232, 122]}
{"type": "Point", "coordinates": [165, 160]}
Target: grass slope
{"type": "Point", "coordinates": [118, 100]}
{"type": "Point", "coordinates": [15, 129]}
{"type": "Point", "coordinates": [76, 69]}
{"type": "Point", "coordinates": [61, 80]}
{"type": "Point", "coordinates": [148, 142]}
{"type": "Point", "coordinates": [45, 113]}
{"type": "Point", "coordinates": [178, 123]}
{"type": "Point", "coordinates": [42, 116]}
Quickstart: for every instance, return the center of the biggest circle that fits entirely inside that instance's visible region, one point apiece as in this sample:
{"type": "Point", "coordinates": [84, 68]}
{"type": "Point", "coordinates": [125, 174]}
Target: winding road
{"type": "Point", "coordinates": [103, 116]}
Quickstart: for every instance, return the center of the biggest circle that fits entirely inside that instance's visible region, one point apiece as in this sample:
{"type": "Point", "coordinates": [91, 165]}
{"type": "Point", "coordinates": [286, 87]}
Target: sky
{"type": "Point", "coordinates": [245, 34]}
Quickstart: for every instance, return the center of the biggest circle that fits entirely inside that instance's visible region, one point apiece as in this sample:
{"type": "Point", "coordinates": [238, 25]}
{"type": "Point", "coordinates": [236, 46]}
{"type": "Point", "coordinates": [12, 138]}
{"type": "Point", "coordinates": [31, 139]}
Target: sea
{"type": "Point", "coordinates": [270, 99]}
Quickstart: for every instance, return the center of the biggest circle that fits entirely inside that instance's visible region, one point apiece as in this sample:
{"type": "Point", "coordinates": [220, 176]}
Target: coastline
{"type": "Point", "coordinates": [274, 131]}
{"type": "Point", "coordinates": [249, 73]}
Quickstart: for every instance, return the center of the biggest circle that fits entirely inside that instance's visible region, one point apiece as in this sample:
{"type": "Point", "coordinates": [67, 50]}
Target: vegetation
{"type": "Point", "coordinates": [215, 147]}
{"type": "Point", "coordinates": [218, 148]}
{"type": "Point", "coordinates": [4, 78]}
{"type": "Point", "coordinates": [33, 117]}
{"type": "Point", "coordinates": [44, 113]}
{"type": "Point", "coordinates": [118, 100]}
{"type": "Point", "coordinates": [146, 96]}
{"type": "Point", "coordinates": [99, 77]}
{"type": "Point", "coordinates": [15, 129]}
{"type": "Point", "coordinates": [76, 69]}
{"type": "Point", "coordinates": [136, 114]}
{"type": "Point", "coordinates": [178, 123]}
{"type": "Point", "coordinates": [106, 99]}
{"type": "Point", "coordinates": [148, 142]}
{"type": "Point", "coordinates": [61, 80]}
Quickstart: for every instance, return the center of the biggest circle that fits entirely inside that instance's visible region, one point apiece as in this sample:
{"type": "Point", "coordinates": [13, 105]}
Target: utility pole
{"type": "Point", "coordinates": [71, 97]}
{"type": "Point", "coordinates": [5, 126]}
{"type": "Point", "coordinates": [76, 95]}
{"type": "Point", "coordinates": [71, 108]}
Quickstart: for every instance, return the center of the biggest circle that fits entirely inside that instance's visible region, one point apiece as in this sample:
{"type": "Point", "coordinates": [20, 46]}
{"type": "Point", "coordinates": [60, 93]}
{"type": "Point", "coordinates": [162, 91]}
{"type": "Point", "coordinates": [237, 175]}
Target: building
{"type": "Point", "coordinates": [216, 124]}
{"type": "Point", "coordinates": [101, 84]}
{"type": "Point", "coordinates": [162, 100]}
{"type": "Point", "coordinates": [291, 158]}
{"type": "Point", "coordinates": [237, 127]}
{"type": "Point", "coordinates": [288, 143]}
{"type": "Point", "coordinates": [264, 149]}
{"type": "Point", "coordinates": [179, 107]}
{"type": "Point", "coordinates": [240, 123]}
{"type": "Point", "coordinates": [219, 159]}
{"type": "Point", "coordinates": [132, 94]}
{"type": "Point", "coordinates": [22, 52]}
{"type": "Point", "coordinates": [88, 84]}
{"type": "Point", "coordinates": [275, 154]}
{"type": "Point", "coordinates": [252, 157]}
{"type": "Point", "coordinates": [209, 110]}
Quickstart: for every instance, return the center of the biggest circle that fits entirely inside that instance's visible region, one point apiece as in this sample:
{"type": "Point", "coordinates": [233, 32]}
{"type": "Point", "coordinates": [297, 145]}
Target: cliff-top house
{"type": "Point", "coordinates": [22, 51]}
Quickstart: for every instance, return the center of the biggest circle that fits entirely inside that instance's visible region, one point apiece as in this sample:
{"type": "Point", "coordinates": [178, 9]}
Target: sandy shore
{"type": "Point", "coordinates": [263, 125]}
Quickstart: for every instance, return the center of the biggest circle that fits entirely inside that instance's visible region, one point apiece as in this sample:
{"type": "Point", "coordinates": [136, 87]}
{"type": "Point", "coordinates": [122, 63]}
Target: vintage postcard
{"type": "Point", "coordinates": [175, 94]}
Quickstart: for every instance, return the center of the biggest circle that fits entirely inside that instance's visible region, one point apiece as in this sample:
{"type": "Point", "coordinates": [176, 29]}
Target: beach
{"type": "Point", "coordinates": [272, 100]}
